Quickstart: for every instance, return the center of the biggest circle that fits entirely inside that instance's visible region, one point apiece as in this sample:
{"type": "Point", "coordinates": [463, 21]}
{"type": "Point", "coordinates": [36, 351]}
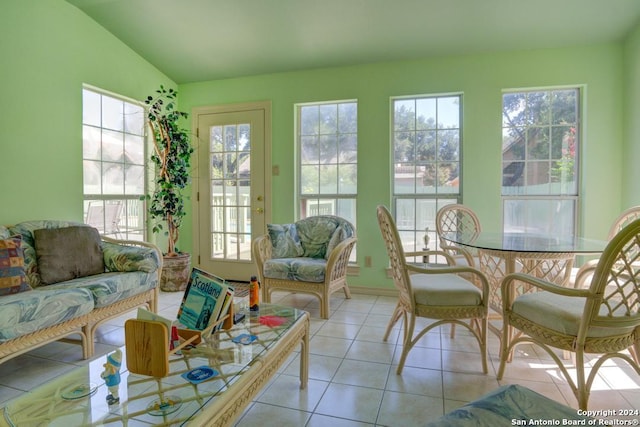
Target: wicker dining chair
{"type": "Point", "coordinates": [602, 319]}
{"type": "Point", "coordinates": [434, 292]}
{"type": "Point", "coordinates": [624, 219]}
{"type": "Point", "coordinates": [460, 219]}
{"type": "Point", "coordinates": [587, 269]}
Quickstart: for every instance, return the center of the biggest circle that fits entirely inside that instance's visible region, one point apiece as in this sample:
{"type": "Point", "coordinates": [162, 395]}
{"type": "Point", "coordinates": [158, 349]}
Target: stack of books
{"type": "Point", "coordinates": [205, 302]}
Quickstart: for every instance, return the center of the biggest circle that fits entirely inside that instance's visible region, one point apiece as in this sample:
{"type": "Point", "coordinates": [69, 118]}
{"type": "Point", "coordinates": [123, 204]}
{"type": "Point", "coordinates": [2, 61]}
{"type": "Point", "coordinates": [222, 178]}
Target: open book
{"type": "Point", "coordinates": [204, 300]}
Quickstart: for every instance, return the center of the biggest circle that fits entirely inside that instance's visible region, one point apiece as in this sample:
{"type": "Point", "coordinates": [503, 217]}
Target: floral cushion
{"type": "Point", "coordinates": [317, 232]}
{"type": "Point", "coordinates": [337, 237]}
{"type": "Point", "coordinates": [299, 268]}
{"type": "Point", "coordinates": [28, 312]}
{"type": "Point", "coordinates": [108, 288]}
{"type": "Point", "coordinates": [13, 279]}
{"type": "Point", "coordinates": [130, 258]}
{"type": "Point", "coordinates": [284, 240]}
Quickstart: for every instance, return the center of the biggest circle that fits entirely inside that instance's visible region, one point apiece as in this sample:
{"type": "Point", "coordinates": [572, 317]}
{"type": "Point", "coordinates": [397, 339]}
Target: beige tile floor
{"type": "Point", "coordinates": [352, 377]}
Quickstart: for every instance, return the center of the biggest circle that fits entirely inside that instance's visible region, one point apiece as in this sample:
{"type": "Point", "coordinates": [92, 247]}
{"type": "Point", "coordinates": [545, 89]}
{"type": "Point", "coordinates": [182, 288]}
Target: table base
{"type": "Point", "coordinates": [496, 264]}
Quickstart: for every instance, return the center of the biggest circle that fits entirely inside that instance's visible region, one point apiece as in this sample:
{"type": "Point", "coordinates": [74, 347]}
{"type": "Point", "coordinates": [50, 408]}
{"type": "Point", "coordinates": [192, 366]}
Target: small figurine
{"type": "Point", "coordinates": [426, 239]}
{"type": "Point", "coordinates": [111, 376]}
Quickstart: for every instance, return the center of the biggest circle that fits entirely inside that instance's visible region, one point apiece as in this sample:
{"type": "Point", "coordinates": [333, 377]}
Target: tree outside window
{"type": "Point", "coordinates": [426, 163]}
{"type": "Point", "coordinates": [327, 143]}
{"type": "Point", "coordinates": [540, 149]}
{"type": "Point", "coordinates": [328, 159]}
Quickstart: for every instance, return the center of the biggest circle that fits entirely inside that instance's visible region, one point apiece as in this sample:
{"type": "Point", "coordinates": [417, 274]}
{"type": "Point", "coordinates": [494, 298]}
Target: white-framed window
{"type": "Point", "coordinates": [327, 146]}
{"type": "Point", "coordinates": [114, 159]}
{"type": "Point", "coordinates": [540, 158]}
{"type": "Point", "coordinates": [426, 140]}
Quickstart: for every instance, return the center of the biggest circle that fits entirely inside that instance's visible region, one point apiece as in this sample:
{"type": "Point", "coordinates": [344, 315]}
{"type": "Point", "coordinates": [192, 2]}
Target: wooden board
{"type": "Point", "coordinates": [147, 344]}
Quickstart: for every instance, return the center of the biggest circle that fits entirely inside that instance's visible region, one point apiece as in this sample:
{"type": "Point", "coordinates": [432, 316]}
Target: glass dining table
{"type": "Point", "coordinates": [546, 257]}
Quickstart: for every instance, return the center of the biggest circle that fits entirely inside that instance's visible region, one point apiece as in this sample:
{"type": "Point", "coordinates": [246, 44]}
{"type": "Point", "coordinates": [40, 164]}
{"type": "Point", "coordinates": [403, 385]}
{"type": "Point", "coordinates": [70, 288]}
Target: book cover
{"type": "Point", "coordinates": [228, 300]}
{"type": "Point", "coordinates": [148, 315]}
{"type": "Point", "coordinates": [203, 299]}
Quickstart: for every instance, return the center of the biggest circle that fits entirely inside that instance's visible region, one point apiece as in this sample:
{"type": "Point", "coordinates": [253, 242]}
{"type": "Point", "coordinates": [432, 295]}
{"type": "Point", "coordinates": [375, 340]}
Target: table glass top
{"type": "Point", "coordinates": [528, 242]}
{"type": "Point", "coordinates": [79, 397]}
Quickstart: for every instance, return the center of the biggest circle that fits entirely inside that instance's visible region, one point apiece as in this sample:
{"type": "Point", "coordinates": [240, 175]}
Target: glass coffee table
{"type": "Point", "coordinates": [208, 385]}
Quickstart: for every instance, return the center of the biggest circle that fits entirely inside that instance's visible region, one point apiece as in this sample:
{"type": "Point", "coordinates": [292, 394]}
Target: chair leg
{"type": "Point", "coordinates": [483, 327]}
{"type": "Point", "coordinates": [347, 291]}
{"type": "Point", "coordinates": [324, 307]}
{"type": "Point", "coordinates": [397, 313]}
{"type": "Point", "coordinates": [505, 350]}
{"type": "Point", "coordinates": [582, 391]}
{"type": "Point", "coordinates": [635, 352]}
{"type": "Point", "coordinates": [88, 343]}
{"type": "Point", "coordinates": [407, 344]}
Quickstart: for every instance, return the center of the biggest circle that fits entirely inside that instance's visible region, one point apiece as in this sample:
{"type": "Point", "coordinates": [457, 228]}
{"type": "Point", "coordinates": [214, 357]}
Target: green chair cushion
{"type": "Point", "coordinates": [444, 290]}
{"type": "Point", "coordinates": [559, 313]}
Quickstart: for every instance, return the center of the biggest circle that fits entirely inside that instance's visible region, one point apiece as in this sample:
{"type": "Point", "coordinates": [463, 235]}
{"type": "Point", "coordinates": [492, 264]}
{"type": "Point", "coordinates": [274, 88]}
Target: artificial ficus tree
{"type": "Point", "coordinates": [171, 157]}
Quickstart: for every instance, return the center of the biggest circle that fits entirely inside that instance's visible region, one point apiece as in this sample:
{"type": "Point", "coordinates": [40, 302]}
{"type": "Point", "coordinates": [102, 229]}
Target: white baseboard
{"type": "Point", "coordinates": [382, 292]}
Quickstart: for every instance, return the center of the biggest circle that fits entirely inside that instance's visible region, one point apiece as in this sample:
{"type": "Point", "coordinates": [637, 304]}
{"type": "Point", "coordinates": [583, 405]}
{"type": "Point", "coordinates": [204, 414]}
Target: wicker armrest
{"type": "Point", "coordinates": [510, 290]}
{"type": "Point", "coordinates": [447, 256]}
{"type": "Point", "coordinates": [261, 249]}
{"type": "Point", "coordinates": [338, 260]}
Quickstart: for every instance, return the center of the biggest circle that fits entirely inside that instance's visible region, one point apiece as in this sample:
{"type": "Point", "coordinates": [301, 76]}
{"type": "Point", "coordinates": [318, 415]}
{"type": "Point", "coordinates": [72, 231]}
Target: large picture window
{"type": "Point", "coordinates": [328, 159]}
{"type": "Point", "coordinates": [426, 139]}
{"type": "Point", "coordinates": [540, 153]}
{"type": "Point", "coordinates": [113, 153]}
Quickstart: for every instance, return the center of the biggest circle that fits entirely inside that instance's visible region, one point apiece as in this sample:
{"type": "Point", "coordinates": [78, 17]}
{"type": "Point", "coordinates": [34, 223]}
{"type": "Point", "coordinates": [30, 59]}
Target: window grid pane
{"type": "Point", "coordinates": [229, 157]}
{"type": "Point", "coordinates": [426, 170]}
{"type": "Point", "coordinates": [113, 165]}
{"type": "Point", "coordinates": [540, 151]}
{"type": "Point", "coordinates": [327, 142]}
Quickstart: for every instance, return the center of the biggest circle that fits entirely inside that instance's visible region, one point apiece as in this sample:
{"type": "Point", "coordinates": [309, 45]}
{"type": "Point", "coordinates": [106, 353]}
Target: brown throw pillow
{"type": "Point", "coordinates": [68, 253]}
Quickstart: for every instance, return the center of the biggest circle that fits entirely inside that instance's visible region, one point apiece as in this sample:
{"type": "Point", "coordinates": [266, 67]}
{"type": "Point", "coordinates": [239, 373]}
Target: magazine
{"type": "Point", "coordinates": [203, 300]}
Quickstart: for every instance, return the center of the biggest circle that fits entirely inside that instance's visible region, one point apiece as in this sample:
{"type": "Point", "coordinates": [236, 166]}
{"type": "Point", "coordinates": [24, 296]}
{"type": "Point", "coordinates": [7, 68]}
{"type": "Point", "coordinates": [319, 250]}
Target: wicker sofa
{"type": "Point", "coordinates": [40, 311]}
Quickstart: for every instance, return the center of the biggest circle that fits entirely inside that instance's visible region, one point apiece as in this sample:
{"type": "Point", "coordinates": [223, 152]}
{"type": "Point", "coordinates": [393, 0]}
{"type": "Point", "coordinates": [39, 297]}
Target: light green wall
{"type": "Point", "coordinates": [49, 49]}
{"type": "Point", "coordinates": [630, 184]}
{"type": "Point", "coordinates": [481, 79]}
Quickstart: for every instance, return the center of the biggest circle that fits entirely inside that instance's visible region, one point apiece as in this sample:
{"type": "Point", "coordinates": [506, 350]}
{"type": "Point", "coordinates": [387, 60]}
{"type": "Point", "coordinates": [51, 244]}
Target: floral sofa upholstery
{"type": "Point", "coordinates": [308, 256]}
{"type": "Point", "coordinates": [34, 312]}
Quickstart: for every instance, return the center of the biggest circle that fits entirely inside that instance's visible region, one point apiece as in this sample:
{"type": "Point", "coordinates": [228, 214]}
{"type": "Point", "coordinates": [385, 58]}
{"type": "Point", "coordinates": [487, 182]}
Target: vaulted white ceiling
{"type": "Point", "coordinates": [199, 40]}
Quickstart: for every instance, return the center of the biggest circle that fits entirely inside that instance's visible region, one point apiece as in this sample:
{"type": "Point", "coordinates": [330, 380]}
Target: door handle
{"type": "Point", "coordinates": [259, 210]}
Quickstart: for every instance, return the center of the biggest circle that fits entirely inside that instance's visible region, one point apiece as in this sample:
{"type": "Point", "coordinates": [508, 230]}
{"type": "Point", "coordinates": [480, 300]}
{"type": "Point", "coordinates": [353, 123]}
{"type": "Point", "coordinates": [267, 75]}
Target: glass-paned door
{"type": "Point", "coordinates": [231, 191]}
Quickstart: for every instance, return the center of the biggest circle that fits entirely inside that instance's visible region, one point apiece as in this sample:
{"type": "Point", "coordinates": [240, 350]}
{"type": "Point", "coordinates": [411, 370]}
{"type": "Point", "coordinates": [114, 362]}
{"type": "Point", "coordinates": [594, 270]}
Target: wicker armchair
{"type": "Point", "coordinates": [437, 292]}
{"type": "Point", "coordinates": [455, 218]}
{"type": "Point", "coordinates": [603, 319]}
{"type": "Point", "coordinates": [310, 256]}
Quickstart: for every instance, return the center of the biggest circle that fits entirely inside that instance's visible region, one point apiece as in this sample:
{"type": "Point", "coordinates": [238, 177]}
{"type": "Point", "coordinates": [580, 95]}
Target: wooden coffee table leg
{"type": "Point", "coordinates": [304, 355]}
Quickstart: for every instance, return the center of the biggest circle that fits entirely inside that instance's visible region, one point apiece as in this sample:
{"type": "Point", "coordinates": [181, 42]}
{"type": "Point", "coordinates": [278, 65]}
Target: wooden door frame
{"type": "Point", "coordinates": [265, 106]}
